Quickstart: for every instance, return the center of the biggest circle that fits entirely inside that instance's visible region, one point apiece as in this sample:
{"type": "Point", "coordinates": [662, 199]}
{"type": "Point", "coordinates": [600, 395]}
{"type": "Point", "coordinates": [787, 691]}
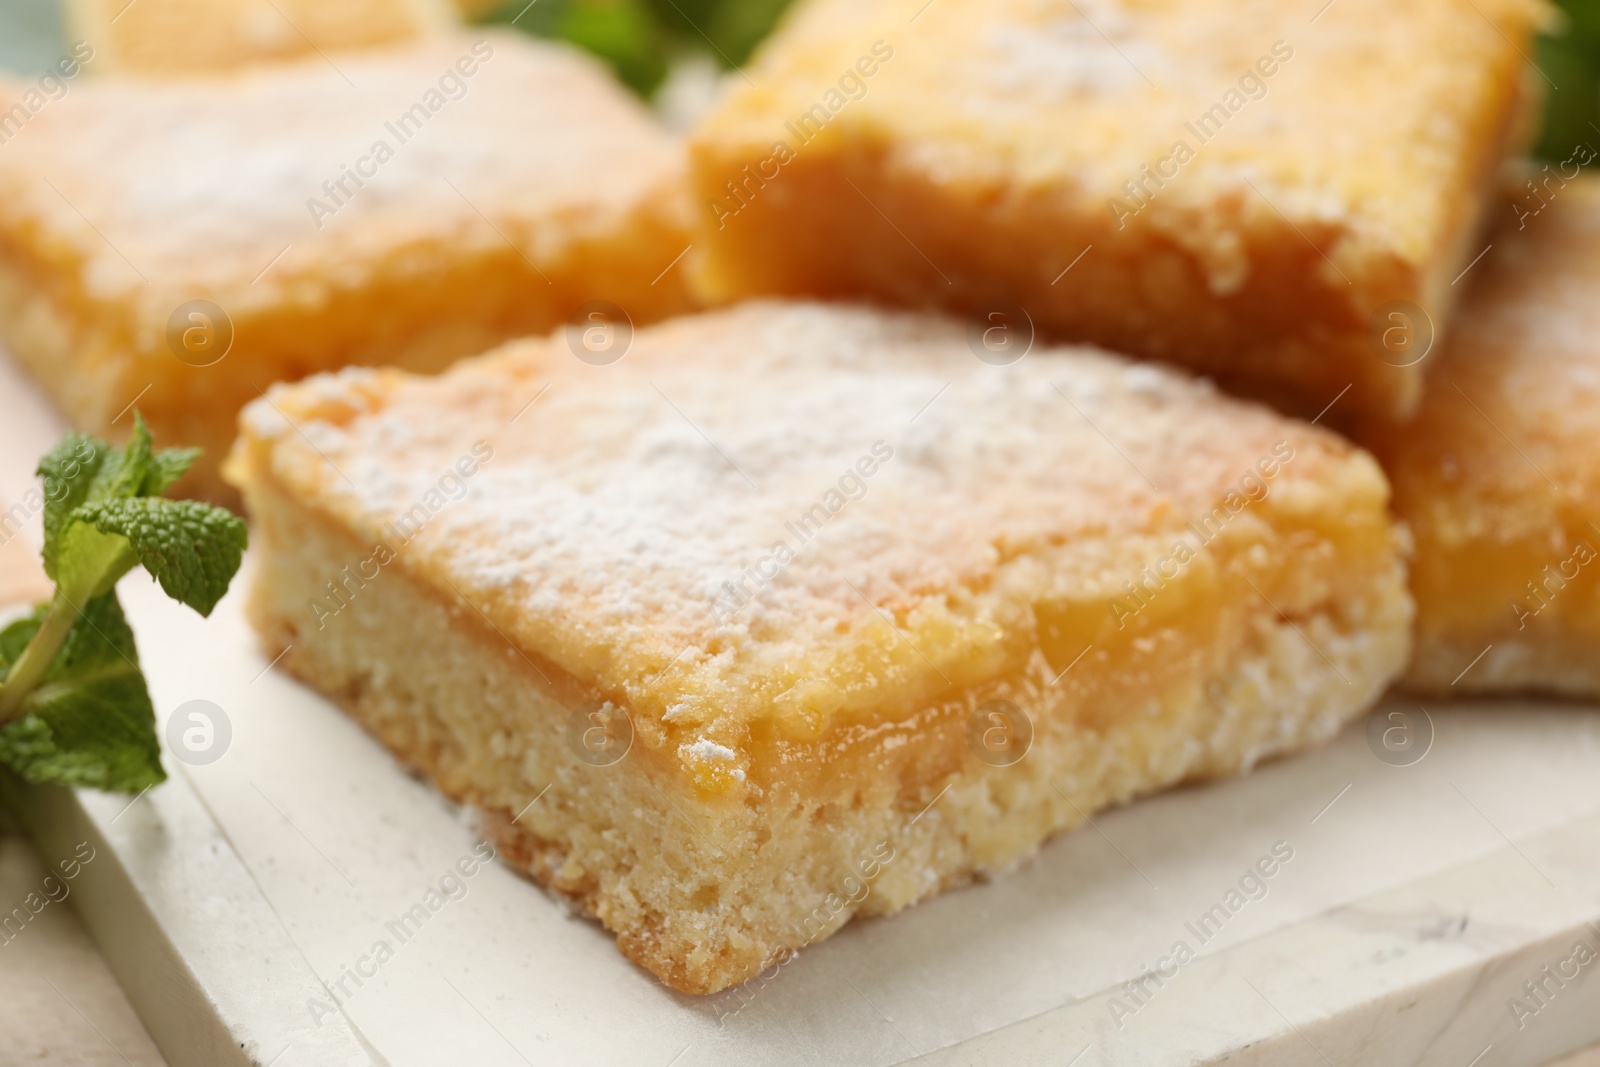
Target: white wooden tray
{"type": "Point", "coordinates": [235, 901]}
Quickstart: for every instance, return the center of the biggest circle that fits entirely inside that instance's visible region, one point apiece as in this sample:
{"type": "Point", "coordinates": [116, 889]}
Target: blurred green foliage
{"type": "Point", "coordinates": [641, 38]}
{"type": "Point", "coordinates": [1570, 57]}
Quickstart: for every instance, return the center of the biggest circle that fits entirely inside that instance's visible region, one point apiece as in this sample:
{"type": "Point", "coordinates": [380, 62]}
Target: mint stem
{"type": "Point", "coordinates": [30, 666]}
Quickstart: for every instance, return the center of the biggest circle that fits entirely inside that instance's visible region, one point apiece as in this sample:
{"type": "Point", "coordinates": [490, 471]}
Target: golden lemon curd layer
{"type": "Point", "coordinates": [183, 246]}
{"type": "Point", "coordinates": [166, 37]}
{"type": "Point", "coordinates": [1499, 476]}
{"type": "Point", "coordinates": [1221, 183]}
{"type": "Point", "coordinates": [853, 590]}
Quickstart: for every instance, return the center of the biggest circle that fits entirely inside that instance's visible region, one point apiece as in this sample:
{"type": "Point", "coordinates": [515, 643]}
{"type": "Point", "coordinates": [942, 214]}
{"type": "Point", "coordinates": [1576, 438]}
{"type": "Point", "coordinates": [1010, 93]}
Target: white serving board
{"type": "Point", "coordinates": [1418, 902]}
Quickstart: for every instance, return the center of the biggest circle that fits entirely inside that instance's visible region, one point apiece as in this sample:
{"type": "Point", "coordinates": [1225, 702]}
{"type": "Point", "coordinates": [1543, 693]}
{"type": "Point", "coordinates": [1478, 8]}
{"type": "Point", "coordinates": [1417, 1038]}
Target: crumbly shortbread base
{"type": "Point", "coordinates": [1560, 666]}
{"type": "Point", "coordinates": [704, 891]}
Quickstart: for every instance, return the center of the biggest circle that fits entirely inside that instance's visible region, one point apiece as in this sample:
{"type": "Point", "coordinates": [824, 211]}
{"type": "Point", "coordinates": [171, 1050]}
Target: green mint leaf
{"type": "Point", "coordinates": [74, 708]}
{"type": "Point", "coordinates": [89, 722]}
{"type": "Point", "coordinates": [15, 637]}
{"type": "Point", "coordinates": [123, 473]}
{"type": "Point", "coordinates": [84, 562]}
{"type": "Point", "coordinates": [166, 467]}
{"type": "Point", "coordinates": [192, 549]}
{"type": "Point", "coordinates": [68, 470]}
{"type": "Point", "coordinates": [88, 562]}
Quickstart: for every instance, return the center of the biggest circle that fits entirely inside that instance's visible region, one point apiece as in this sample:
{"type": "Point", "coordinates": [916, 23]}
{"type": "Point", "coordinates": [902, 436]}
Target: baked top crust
{"type": "Point", "coordinates": [626, 526]}
{"type": "Point", "coordinates": [1237, 186]}
{"type": "Point", "coordinates": [150, 193]}
{"type": "Point", "coordinates": [167, 37]}
{"type": "Point", "coordinates": [1366, 138]}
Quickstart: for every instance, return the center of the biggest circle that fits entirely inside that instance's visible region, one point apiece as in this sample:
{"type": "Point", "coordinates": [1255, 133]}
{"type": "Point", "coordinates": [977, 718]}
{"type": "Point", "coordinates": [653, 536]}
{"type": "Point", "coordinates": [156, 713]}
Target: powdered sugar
{"type": "Point", "coordinates": [622, 506]}
{"type": "Point", "coordinates": [206, 188]}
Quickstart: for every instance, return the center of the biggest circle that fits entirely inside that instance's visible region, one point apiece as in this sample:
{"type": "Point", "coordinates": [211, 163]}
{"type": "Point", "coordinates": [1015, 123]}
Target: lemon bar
{"type": "Point", "coordinates": [796, 612]}
{"type": "Point", "coordinates": [1499, 476]}
{"type": "Point", "coordinates": [165, 37]}
{"type": "Point", "coordinates": [1240, 187]}
{"type": "Point", "coordinates": [180, 245]}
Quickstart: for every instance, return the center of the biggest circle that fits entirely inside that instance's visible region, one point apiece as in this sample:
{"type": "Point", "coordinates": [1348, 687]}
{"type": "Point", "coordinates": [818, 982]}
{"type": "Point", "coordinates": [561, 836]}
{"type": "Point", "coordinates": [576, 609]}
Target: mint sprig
{"type": "Point", "coordinates": [89, 721]}
{"type": "Point", "coordinates": [74, 707]}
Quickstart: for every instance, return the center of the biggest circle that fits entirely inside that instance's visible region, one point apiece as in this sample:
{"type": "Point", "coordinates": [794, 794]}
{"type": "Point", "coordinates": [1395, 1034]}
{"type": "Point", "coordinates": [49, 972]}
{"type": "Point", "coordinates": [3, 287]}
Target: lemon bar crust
{"type": "Point", "coordinates": [185, 247]}
{"type": "Point", "coordinates": [1210, 182]}
{"type": "Point", "coordinates": [819, 749]}
{"type": "Point", "coordinates": [167, 37]}
{"type": "Point", "coordinates": [1498, 476]}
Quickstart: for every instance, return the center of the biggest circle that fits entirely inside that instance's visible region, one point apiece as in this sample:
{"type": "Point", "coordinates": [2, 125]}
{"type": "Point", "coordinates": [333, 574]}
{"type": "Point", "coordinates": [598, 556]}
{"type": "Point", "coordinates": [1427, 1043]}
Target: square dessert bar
{"type": "Point", "coordinates": [181, 245]}
{"type": "Point", "coordinates": [1499, 476]}
{"type": "Point", "coordinates": [166, 37]}
{"type": "Point", "coordinates": [797, 612]}
{"type": "Point", "coordinates": [1227, 184]}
